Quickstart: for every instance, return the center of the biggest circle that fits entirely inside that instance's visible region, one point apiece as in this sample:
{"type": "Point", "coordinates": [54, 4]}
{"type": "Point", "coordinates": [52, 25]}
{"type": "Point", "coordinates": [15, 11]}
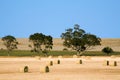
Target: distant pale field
{"type": "Point", "coordinates": [24, 42]}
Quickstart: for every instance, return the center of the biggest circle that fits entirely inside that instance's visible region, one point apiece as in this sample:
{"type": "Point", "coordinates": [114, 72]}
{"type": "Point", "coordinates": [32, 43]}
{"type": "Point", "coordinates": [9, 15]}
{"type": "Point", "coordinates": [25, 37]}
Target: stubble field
{"type": "Point", "coordinates": [92, 68]}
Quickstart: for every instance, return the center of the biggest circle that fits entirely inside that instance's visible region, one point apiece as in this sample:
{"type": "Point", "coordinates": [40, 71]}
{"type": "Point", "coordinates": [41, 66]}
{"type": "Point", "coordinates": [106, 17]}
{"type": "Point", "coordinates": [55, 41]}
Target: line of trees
{"type": "Point", "coordinates": [38, 40]}
{"type": "Point", "coordinates": [10, 42]}
{"type": "Point", "coordinates": [76, 39]}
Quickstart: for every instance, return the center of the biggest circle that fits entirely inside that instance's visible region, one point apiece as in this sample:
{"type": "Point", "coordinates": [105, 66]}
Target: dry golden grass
{"type": "Point", "coordinates": [24, 42]}
{"type": "Point", "coordinates": [92, 69]}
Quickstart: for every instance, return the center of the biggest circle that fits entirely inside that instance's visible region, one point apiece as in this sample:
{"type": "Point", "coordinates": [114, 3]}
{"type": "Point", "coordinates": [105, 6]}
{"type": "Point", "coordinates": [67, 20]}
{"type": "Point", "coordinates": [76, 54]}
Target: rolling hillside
{"type": "Point", "coordinates": [24, 42]}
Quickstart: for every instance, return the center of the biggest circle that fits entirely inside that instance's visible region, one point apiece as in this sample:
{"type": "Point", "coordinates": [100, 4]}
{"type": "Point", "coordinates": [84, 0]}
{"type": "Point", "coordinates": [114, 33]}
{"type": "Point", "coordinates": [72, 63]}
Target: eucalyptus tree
{"type": "Point", "coordinates": [10, 42]}
{"type": "Point", "coordinates": [78, 39]}
{"type": "Point", "coordinates": [39, 40]}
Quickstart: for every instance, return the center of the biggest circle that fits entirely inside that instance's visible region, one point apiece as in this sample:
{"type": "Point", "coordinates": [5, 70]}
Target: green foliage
{"type": "Point", "coordinates": [78, 39]}
{"type": "Point", "coordinates": [62, 53]}
{"type": "Point", "coordinates": [107, 50]}
{"type": "Point", "coordinates": [10, 42]}
{"type": "Point", "coordinates": [45, 52]}
{"type": "Point", "coordinates": [65, 49]}
{"type": "Point", "coordinates": [48, 42]}
{"type": "Point", "coordinates": [27, 53]}
{"type": "Point", "coordinates": [38, 40]}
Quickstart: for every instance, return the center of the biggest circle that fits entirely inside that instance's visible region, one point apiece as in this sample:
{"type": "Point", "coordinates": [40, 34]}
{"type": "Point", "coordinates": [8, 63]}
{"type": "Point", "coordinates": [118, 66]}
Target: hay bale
{"type": "Point", "coordinates": [57, 61]}
{"type": "Point", "coordinates": [106, 63]}
{"type": "Point", "coordinates": [50, 63]}
{"type": "Point", "coordinates": [49, 57]}
{"type": "Point", "coordinates": [79, 61]}
{"type": "Point", "coordinates": [24, 69]}
{"type": "Point", "coordinates": [113, 56]}
{"type": "Point", "coordinates": [44, 69]}
{"type": "Point", "coordinates": [75, 56]}
{"type": "Point", "coordinates": [60, 57]}
{"type": "Point", "coordinates": [38, 57]}
{"type": "Point", "coordinates": [83, 57]}
{"type": "Point", "coordinates": [87, 57]}
{"type": "Point", "coordinates": [113, 63]}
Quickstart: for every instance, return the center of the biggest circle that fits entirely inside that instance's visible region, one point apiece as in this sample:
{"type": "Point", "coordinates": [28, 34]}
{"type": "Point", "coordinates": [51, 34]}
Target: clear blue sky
{"type": "Point", "coordinates": [21, 18]}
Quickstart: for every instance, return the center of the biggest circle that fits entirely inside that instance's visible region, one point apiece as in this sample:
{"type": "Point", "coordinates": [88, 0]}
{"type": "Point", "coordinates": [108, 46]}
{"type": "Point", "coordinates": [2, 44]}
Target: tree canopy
{"type": "Point", "coordinates": [78, 39]}
{"type": "Point", "coordinates": [10, 42]}
{"type": "Point", "coordinates": [107, 50]}
{"type": "Point", "coordinates": [38, 40]}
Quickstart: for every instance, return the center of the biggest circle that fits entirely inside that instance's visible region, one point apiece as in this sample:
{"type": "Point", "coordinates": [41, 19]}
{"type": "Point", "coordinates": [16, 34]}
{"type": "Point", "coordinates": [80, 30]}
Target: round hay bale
{"type": "Point", "coordinates": [113, 63]}
{"type": "Point", "coordinates": [87, 57]}
{"type": "Point", "coordinates": [44, 69]}
{"type": "Point", "coordinates": [49, 57]}
{"type": "Point", "coordinates": [47, 69]}
{"type": "Point", "coordinates": [106, 63]}
{"type": "Point", "coordinates": [75, 56]}
{"type": "Point", "coordinates": [83, 57]}
{"type": "Point", "coordinates": [38, 57]}
{"type": "Point", "coordinates": [50, 63]}
{"type": "Point", "coordinates": [113, 56]}
{"type": "Point", "coordinates": [79, 61]}
{"type": "Point", "coordinates": [60, 57]}
{"type": "Point", "coordinates": [58, 61]}
{"type": "Point", "coordinates": [24, 69]}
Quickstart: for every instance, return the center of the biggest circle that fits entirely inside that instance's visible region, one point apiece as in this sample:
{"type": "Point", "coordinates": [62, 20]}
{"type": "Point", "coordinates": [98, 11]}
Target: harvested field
{"type": "Point", "coordinates": [90, 69]}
